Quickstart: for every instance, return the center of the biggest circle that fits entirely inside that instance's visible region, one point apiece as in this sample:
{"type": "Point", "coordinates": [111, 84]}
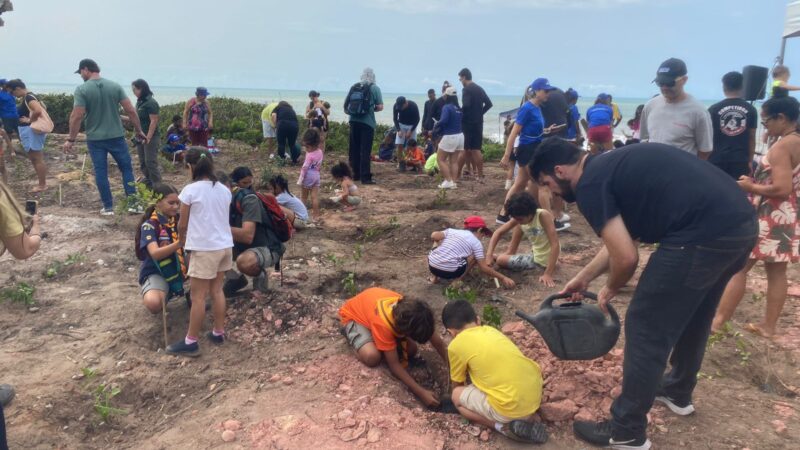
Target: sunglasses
{"type": "Point", "coordinates": [670, 83]}
{"type": "Point", "coordinates": [766, 120]}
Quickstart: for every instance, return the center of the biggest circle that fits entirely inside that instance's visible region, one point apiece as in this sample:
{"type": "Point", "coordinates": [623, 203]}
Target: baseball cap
{"type": "Point", "coordinates": [450, 90]}
{"type": "Point", "coordinates": [541, 84]}
{"type": "Point", "coordinates": [476, 223]}
{"type": "Point", "coordinates": [400, 101]}
{"type": "Point", "coordinates": [602, 97]}
{"type": "Point", "coordinates": [572, 93]}
{"type": "Point", "coordinates": [173, 138]}
{"type": "Point", "coordinates": [669, 70]}
{"type": "Point", "coordinates": [88, 64]}
{"type": "Point", "coordinates": [202, 91]}
{"type": "Point", "coordinates": [3, 81]}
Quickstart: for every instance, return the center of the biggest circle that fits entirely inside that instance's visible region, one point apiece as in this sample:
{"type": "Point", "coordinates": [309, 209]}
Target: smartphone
{"type": "Point", "coordinates": [31, 206]}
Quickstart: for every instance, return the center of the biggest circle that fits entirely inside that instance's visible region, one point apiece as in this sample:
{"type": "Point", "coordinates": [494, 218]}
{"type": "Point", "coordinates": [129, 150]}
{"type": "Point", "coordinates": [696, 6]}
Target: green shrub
{"type": "Point", "coordinates": [59, 106]}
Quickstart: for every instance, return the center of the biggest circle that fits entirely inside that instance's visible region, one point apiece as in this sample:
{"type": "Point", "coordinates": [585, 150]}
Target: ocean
{"type": "Point", "coordinates": [493, 123]}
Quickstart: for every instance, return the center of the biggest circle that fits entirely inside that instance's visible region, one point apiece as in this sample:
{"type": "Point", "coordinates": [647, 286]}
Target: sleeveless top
{"type": "Point", "coordinates": [198, 115]}
{"type": "Point", "coordinates": [540, 245]}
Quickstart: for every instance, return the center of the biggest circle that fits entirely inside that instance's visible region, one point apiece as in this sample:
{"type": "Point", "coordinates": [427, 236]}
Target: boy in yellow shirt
{"type": "Point", "coordinates": [506, 386]}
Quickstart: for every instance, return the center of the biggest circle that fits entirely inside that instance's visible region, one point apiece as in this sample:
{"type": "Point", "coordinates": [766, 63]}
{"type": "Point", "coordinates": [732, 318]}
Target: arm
{"type": "Point", "coordinates": [210, 116]}
{"type": "Point", "coordinates": [36, 110]}
{"type": "Point", "coordinates": [487, 103]}
{"type": "Point", "coordinates": [488, 270]}
{"type": "Point", "coordinates": [397, 369]}
{"type": "Point", "coordinates": [781, 186]}
{"type": "Point", "coordinates": [153, 126]}
{"type": "Point", "coordinates": [751, 146]}
{"type": "Point", "coordinates": [159, 253]}
{"type": "Point", "coordinates": [496, 236]}
{"type": "Point", "coordinates": [245, 234]}
{"type": "Point", "coordinates": [396, 118]}
{"type": "Point", "coordinates": [437, 236]}
{"type": "Point", "coordinates": [515, 130]}
{"type": "Point", "coordinates": [415, 117]}
{"type": "Point", "coordinates": [186, 114]}
{"type": "Point", "coordinates": [183, 221]}
{"type": "Point", "coordinates": [643, 133]}
{"type": "Point", "coordinates": [704, 135]}
{"type": "Point", "coordinates": [379, 107]}
{"type": "Point", "coordinates": [25, 245]}
{"type": "Point", "coordinates": [555, 248]}
{"type": "Point", "coordinates": [127, 106]}
{"type": "Point", "coordinates": [75, 118]}
{"type": "Point", "coordinates": [623, 258]}
{"type": "Point", "coordinates": [438, 344]}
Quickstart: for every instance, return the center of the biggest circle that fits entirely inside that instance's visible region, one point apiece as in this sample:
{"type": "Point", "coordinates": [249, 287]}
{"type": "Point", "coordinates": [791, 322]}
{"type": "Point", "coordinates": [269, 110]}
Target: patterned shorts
{"type": "Point", "coordinates": [523, 262]}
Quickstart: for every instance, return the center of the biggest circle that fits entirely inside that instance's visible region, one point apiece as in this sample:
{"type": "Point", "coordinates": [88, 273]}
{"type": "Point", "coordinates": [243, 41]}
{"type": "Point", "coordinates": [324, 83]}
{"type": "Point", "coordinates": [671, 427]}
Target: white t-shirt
{"type": "Point", "coordinates": [686, 125]}
{"type": "Point", "coordinates": [209, 203]}
{"type": "Point", "coordinates": [454, 250]}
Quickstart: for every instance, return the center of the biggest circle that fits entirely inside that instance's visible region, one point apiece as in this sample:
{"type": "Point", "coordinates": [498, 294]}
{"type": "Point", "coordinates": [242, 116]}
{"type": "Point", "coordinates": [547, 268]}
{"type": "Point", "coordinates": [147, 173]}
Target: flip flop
{"type": "Point", "coordinates": [523, 431]}
{"type": "Point", "coordinates": [752, 328]}
{"type": "Point", "coordinates": [38, 189]}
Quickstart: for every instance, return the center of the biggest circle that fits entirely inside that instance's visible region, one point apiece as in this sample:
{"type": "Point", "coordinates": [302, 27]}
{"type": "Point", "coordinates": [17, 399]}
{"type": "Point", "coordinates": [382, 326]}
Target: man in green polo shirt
{"type": "Point", "coordinates": [97, 104]}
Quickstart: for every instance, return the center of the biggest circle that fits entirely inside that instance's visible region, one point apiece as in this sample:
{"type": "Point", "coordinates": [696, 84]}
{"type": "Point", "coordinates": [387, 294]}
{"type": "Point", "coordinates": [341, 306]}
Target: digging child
{"type": "Point", "coordinates": [382, 325]}
{"type": "Point", "coordinates": [506, 387]}
{"type": "Point", "coordinates": [348, 191]}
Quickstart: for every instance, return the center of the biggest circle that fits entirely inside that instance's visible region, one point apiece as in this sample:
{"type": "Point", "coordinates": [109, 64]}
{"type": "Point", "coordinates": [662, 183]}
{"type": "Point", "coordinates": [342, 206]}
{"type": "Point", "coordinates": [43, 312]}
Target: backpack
{"type": "Point", "coordinates": [280, 225]}
{"type": "Point", "coordinates": [359, 99]}
{"type": "Point", "coordinates": [169, 268]}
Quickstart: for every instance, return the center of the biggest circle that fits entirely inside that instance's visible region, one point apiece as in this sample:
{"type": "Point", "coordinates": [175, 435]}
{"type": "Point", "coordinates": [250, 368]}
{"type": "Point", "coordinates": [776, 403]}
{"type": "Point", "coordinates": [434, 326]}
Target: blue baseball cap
{"type": "Point", "coordinates": [603, 97]}
{"type": "Point", "coordinates": [173, 138]}
{"type": "Point", "coordinates": [202, 91]}
{"type": "Point", "coordinates": [541, 84]}
{"type": "Point", "coordinates": [572, 93]}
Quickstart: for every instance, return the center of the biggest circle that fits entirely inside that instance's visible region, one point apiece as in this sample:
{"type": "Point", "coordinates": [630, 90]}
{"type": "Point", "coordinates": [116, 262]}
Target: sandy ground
{"type": "Point", "coordinates": [285, 378]}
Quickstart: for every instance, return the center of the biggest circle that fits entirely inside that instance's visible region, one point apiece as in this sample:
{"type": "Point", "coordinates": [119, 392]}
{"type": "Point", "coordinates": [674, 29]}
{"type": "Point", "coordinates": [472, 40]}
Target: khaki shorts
{"type": "Point", "coordinates": [476, 401]}
{"type": "Point", "coordinates": [205, 265]}
{"type": "Point", "coordinates": [357, 335]}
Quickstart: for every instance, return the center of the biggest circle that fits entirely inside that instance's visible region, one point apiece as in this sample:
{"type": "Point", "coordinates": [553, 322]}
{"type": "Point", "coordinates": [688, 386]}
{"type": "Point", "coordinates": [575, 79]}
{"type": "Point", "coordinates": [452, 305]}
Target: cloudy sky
{"type": "Point", "coordinates": [592, 45]}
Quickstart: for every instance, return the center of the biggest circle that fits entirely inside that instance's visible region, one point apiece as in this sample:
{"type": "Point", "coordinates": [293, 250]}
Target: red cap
{"type": "Point", "coordinates": [476, 223]}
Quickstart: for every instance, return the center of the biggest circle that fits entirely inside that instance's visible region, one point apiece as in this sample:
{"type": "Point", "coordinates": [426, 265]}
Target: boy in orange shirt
{"type": "Point", "coordinates": [379, 323]}
{"type": "Point", "coordinates": [415, 158]}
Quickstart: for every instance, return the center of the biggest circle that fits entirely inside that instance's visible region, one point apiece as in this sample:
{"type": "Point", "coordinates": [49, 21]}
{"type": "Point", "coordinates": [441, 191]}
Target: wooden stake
{"type": "Point", "coordinates": [59, 195]}
{"type": "Point", "coordinates": [83, 166]}
{"type": "Point", "coordinates": [164, 317]}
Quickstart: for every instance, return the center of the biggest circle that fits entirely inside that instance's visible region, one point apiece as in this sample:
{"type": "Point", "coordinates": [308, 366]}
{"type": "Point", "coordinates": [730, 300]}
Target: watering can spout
{"type": "Point", "coordinates": [527, 317]}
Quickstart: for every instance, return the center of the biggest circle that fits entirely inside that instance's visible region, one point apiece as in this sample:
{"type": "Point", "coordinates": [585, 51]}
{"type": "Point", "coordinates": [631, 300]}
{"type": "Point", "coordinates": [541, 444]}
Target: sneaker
{"type": "Point", "coordinates": [107, 212]}
{"type": "Point", "coordinates": [214, 338]}
{"type": "Point", "coordinates": [679, 408]}
{"type": "Point", "coordinates": [561, 226]}
{"type": "Point", "coordinates": [6, 394]}
{"type": "Point", "coordinates": [444, 185]}
{"type": "Point", "coordinates": [136, 210]}
{"type": "Point", "coordinates": [502, 219]}
{"type": "Point", "coordinates": [599, 433]}
{"type": "Point", "coordinates": [181, 348]}
{"type": "Point", "coordinates": [523, 431]}
{"type": "Point", "coordinates": [231, 287]}
{"type": "Point", "coordinates": [564, 217]}
{"type": "Point", "coordinates": [509, 183]}
{"type": "Point", "coordinates": [452, 185]}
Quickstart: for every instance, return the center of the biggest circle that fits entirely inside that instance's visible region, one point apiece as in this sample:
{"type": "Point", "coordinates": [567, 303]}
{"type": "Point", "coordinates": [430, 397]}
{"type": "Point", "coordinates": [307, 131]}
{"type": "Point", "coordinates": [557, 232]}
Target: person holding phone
{"type": "Point", "coordinates": [22, 245]}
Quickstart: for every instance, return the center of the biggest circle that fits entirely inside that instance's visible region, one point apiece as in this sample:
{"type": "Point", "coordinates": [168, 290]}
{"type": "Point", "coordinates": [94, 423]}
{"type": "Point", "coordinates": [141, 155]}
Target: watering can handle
{"type": "Point", "coordinates": [548, 302]}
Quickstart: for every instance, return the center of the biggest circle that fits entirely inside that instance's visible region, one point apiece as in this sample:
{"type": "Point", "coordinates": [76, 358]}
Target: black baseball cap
{"type": "Point", "coordinates": [313, 93]}
{"type": "Point", "coordinates": [88, 64]}
{"type": "Point", "coordinates": [670, 70]}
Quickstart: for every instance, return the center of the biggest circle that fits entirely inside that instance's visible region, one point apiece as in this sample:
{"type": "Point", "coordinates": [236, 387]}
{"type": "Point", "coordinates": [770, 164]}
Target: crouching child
{"type": "Point", "coordinates": [506, 386]}
{"type": "Point", "coordinates": [382, 325]}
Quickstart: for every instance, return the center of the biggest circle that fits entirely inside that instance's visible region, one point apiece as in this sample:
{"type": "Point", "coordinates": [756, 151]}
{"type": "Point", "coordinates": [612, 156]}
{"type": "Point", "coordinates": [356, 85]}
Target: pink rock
{"type": "Point", "coordinates": [514, 327]}
{"type": "Point", "coordinates": [344, 387]}
{"type": "Point", "coordinates": [228, 436]}
{"type": "Point", "coordinates": [300, 370]}
{"type": "Point", "coordinates": [779, 426]}
{"type": "Point", "coordinates": [586, 415]}
{"type": "Point", "coordinates": [274, 378]}
{"type": "Point", "coordinates": [374, 435]}
{"type": "Point", "coordinates": [616, 391]}
{"type": "Point", "coordinates": [345, 414]}
{"type": "Point", "coordinates": [485, 435]}
{"type": "Point", "coordinates": [278, 323]}
{"type": "Point", "coordinates": [232, 425]}
{"type": "Point", "coordinates": [559, 411]}
{"type": "Point", "coordinates": [349, 422]}
{"type": "Point", "coordinates": [288, 380]}
{"type": "Point", "coordinates": [267, 315]}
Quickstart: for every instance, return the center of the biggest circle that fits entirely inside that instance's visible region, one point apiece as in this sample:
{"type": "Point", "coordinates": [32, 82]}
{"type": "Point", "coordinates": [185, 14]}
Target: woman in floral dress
{"type": "Point", "coordinates": [774, 191]}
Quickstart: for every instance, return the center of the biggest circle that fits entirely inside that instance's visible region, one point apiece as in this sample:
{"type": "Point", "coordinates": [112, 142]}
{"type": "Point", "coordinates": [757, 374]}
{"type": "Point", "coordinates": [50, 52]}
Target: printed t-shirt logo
{"type": "Point", "coordinates": [733, 120]}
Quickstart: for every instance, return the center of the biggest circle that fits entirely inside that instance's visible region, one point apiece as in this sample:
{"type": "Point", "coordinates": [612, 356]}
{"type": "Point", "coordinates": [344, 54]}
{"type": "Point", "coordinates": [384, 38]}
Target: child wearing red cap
{"type": "Point", "coordinates": [456, 251]}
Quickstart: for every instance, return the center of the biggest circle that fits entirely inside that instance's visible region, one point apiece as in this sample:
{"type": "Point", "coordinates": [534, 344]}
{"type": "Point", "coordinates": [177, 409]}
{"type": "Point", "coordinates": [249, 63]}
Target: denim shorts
{"type": "Point", "coordinates": [31, 140]}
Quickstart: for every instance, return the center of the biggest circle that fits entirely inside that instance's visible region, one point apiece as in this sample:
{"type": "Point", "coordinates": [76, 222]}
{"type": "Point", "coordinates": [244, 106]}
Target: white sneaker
{"type": "Point", "coordinates": [452, 185]}
{"type": "Point", "coordinates": [106, 212]}
{"type": "Point", "coordinates": [444, 185]}
{"type": "Point", "coordinates": [509, 183]}
{"type": "Point", "coordinates": [564, 217]}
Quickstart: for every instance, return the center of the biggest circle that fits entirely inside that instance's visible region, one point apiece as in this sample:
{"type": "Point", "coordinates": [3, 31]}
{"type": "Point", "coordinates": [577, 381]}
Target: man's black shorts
{"type": "Point", "coordinates": [10, 124]}
{"type": "Point", "coordinates": [473, 135]}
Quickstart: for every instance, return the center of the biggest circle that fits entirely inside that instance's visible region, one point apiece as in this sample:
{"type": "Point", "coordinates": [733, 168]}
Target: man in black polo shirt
{"type": "Point", "coordinates": [734, 123]}
{"type": "Point", "coordinates": [705, 228]}
{"type": "Point", "coordinates": [474, 104]}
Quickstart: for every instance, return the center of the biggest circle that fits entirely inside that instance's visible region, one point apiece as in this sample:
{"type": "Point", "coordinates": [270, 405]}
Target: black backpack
{"type": "Point", "coordinates": [359, 99]}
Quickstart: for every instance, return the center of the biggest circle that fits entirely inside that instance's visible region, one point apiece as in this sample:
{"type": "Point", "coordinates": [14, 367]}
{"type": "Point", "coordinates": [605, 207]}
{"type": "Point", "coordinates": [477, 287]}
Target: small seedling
{"type": "Point", "coordinates": [492, 316]}
{"type": "Point", "coordinates": [56, 267]}
{"type": "Point", "coordinates": [19, 293]}
{"type": "Point", "coordinates": [349, 283]}
{"type": "Point", "coordinates": [142, 198]}
{"type": "Point", "coordinates": [741, 350]}
{"type": "Point", "coordinates": [103, 395]}
{"type": "Point", "coordinates": [454, 292]}
{"type": "Point", "coordinates": [88, 372]}
{"type": "Point", "coordinates": [441, 197]}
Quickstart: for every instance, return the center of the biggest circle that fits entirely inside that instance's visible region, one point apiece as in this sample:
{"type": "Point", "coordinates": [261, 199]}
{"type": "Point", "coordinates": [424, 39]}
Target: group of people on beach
{"type": "Point", "coordinates": [712, 222]}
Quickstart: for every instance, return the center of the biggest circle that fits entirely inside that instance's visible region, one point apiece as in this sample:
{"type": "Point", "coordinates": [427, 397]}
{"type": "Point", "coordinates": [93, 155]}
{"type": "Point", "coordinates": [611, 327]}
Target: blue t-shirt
{"type": "Point", "coordinates": [532, 122]}
{"type": "Point", "coordinates": [572, 120]}
{"type": "Point", "coordinates": [599, 114]}
{"type": "Point", "coordinates": [293, 203]}
{"type": "Point", "coordinates": [8, 106]}
{"type": "Point", "coordinates": [150, 234]}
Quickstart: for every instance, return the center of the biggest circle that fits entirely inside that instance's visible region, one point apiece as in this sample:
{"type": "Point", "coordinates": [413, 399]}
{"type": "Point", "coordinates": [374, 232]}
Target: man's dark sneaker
{"type": "Point", "coordinates": [181, 348]}
{"type": "Point", "coordinates": [678, 407]}
{"type": "Point", "coordinates": [370, 181]}
{"type": "Point", "coordinates": [599, 434]}
{"type": "Point", "coordinates": [502, 219]}
{"type": "Point", "coordinates": [214, 338]}
{"type": "Point", "coordinates": [6, 394]}
{"type": "Point", "coordinates": [523, 431]}
{"type": "Point", "coordinates": [561, 226]}
{"type": "Point", "coordinates": [231, 287]}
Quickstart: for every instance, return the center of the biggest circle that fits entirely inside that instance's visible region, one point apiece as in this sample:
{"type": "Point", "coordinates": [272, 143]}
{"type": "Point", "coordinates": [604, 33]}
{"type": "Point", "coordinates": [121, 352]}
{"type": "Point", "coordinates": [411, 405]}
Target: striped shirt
{"type": "Point", "coordinates": [454, 250]}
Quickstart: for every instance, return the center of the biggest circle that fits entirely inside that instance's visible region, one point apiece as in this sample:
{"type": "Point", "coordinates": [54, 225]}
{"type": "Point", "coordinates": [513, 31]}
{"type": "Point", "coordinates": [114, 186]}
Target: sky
{"type": "Point", "coordinates": [593, 46]}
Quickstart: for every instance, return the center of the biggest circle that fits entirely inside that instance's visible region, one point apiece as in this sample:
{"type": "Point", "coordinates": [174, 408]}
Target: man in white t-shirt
{"type": "Point", "coordinates": [675, 117]}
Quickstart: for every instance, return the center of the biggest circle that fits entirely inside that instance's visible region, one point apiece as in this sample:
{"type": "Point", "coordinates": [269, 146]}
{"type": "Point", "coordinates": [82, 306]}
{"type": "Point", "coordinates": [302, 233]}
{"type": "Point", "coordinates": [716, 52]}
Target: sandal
{"type": "Point", "coordinates": [523, 431]}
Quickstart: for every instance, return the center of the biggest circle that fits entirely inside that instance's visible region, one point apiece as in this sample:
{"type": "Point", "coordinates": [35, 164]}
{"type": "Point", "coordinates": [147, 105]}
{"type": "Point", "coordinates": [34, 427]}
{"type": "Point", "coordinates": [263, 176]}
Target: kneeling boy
{"type": "Point", "coordinates": [379, 323]}
{"type": "Point", "coordinates": [506, 386]}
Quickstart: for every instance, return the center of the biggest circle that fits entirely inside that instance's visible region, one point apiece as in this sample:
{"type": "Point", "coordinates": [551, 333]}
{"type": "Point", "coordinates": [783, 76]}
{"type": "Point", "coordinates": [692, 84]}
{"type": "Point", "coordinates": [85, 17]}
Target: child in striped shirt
{"type": "Point", "coordinates": [456, 251]}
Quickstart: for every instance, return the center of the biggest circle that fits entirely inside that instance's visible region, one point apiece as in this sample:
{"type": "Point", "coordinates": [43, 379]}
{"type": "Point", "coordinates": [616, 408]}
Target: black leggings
{"type": "Point", "coordinates": [3, 443]}
{"type": "Point", "coordinates": [286, 133]}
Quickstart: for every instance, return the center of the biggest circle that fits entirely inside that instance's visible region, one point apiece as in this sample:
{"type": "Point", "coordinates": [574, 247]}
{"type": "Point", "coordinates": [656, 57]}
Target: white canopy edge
{"type": "Point", "coordinates": [791, 27]}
